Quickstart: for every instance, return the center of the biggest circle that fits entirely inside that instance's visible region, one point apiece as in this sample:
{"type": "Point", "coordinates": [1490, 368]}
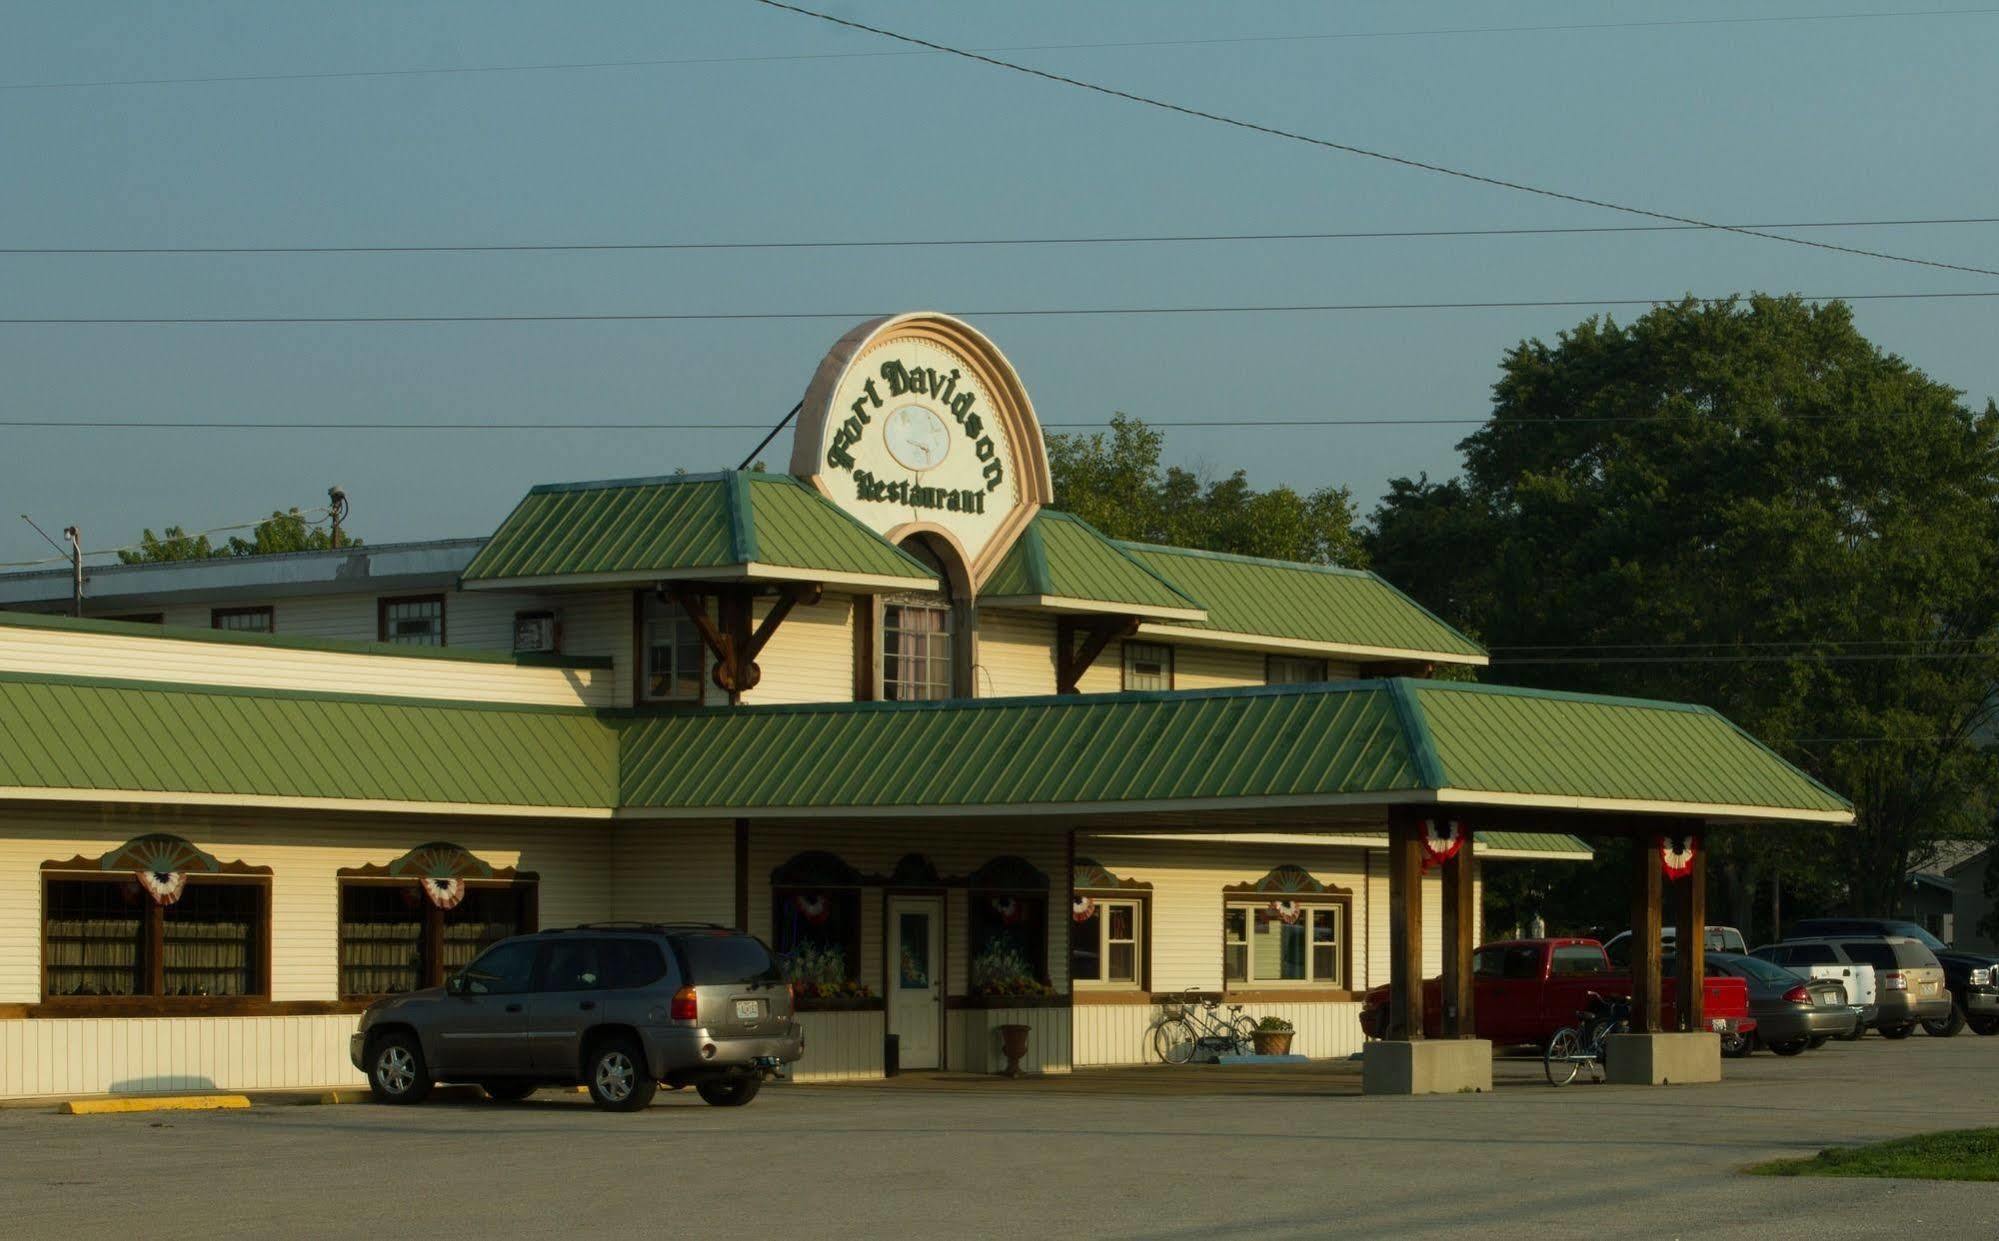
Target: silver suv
{"type": "Point", "coordinates": [620, 1007]}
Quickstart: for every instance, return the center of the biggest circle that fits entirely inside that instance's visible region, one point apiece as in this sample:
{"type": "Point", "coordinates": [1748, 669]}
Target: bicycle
{"type": "Point", "coordinates": [1185, 1031]}
{"type": "Point", "coordinates": [1573, 1047]}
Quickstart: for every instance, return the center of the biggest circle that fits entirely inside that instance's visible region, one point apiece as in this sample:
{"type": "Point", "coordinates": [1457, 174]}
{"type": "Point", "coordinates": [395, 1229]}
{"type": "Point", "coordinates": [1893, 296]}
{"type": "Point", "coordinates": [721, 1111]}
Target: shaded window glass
{"type": "Point", "coordinates": [95, 933]}
{"type": "Point", "coordinates": [210, 941]}
{"type": "Point", "coordinates": [1086, 958]}
{"type": "Point", "coordinates": [381, 938]}
{"type": "Point", "coordinates": [721, 959]}
{"type": "Point", "coordinates": [505, 969]}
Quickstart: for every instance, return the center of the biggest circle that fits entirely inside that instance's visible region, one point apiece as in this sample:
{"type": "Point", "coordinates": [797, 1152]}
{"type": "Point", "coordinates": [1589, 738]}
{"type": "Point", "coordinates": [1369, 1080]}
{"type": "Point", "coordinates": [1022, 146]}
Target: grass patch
{"type": "Point", "coordinates": [1953, 1155]}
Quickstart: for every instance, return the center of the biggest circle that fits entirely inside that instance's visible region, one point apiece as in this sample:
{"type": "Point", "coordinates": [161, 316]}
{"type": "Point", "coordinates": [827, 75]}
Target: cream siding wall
{"type": "Point", "coordinates": [1016, 656]}
{"type": "Point", "coordinates": [1208, 667]}
{"type": "Point", "coordinates": [673, 872]}
{"type": "Point", "coordinates": [119, 657]}
{"type": "Point", "coordinates": [811, 656]}
{"type": "Point", "coordinates": [89, 1055]}
{"type": "Point", "coordinates": [1112, 1034]}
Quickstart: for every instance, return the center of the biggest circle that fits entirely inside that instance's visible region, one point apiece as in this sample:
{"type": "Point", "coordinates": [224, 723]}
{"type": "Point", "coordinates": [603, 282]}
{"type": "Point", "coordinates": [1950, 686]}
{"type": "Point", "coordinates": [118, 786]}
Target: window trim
{"type": "Point", "coordinates": [1141, 901]}
{"type": "Point", "coordinates": [152, 959]}
{"type": "Point", "coordinates": [1125, 649]}
{"type": "Point", "coordinates": [269, 612]}
{"type": "Point", "coordinates": [385, 602]}
{"type": "Point", "coordinates": [430, 940]}
{"type": "Point", "coordinates": [1241, 897]}
{"type": "Point", "coordinates": [954, 619]}
{"type": "Point", "coordinates": [642, 615]}
{"type": "Point", "coordinates": [1270, 662]}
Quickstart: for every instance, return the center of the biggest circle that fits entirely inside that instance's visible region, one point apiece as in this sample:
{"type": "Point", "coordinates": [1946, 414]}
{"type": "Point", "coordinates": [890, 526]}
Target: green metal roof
{"type": "Point", "coordinates": [1060, 559]}
{"type": "Point", "coordinates": [730, 524]}
{"type": "Point", "coordinates": [1020, 752]}
{"type": "Point", "coordinates": [1345, 609]}
{"type": "Point", "coordinates": [1362, 742]}
{"type": "Point", "coordinates": [63, 734]}
{"type": "Point", "coordinates": [1501, 739]}
{"type": "Point", "coordinates": [1357, 741]}
{"type": "Point", "coordinates": [1547, 844]}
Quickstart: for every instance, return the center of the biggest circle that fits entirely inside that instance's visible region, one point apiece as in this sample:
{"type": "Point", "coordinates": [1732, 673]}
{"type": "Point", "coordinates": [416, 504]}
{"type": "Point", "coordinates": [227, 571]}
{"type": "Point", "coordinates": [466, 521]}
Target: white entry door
{"type": "Point", "coordinates": [916, 985]}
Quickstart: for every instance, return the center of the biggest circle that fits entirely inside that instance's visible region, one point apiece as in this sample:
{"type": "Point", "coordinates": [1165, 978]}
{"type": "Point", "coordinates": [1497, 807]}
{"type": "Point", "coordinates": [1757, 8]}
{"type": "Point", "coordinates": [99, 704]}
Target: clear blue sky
{"type": "Point", "coordinates": [1870, 118]}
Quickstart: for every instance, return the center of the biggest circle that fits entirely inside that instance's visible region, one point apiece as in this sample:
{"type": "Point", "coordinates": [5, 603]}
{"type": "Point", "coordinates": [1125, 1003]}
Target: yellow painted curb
{"type": "Point", "coordinates": [170, 1103]}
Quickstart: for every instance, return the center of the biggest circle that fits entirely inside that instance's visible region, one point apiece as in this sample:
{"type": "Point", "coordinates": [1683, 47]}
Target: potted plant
{"type": "Point", "coordinates": [1272, 1037]}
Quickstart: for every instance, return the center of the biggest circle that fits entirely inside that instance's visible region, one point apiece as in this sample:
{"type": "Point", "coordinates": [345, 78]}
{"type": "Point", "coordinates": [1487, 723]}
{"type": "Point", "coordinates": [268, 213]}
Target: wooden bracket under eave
{"type": "Point", "coordinates": [1097, 632]}
{"type": "Point", "coordinates": [728, 635]}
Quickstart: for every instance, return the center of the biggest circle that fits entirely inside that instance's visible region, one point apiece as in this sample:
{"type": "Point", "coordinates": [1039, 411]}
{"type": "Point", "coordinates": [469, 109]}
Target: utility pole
{"type": "Point", "coordinates": [336, 505]}
{"type": "Point", "coordinates": [75, 538]}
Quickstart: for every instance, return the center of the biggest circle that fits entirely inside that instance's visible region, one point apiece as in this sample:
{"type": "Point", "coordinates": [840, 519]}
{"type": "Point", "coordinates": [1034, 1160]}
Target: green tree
{"type": "Point", "coordinates": [1117, 484]}
{"type": "Point", "coordinates": [1749, 505]}
{"type": "Point", "coordinates": [280, 532]}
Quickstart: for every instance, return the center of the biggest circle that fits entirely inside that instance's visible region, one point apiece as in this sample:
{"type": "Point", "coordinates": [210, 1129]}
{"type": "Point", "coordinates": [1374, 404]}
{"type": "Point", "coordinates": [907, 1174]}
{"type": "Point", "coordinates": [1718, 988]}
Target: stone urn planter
{"type": "Point", "coordinates": [1013, 1043]}
{"type": "Point", "coordinates": [1272, 1037]}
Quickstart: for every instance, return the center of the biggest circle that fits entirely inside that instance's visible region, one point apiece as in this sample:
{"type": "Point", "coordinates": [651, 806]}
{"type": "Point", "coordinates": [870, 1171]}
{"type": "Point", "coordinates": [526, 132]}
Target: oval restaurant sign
{"type": "Point", "coordinates": [918, 423]}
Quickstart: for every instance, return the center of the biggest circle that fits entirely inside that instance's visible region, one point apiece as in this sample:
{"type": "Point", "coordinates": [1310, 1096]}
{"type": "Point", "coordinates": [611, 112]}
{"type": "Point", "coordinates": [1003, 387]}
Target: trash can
{"type": "Point", "coordinates": [891, 1055]}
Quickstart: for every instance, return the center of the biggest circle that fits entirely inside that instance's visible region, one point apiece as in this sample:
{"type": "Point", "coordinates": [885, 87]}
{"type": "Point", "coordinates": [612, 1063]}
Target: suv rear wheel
{"type": "Point", "coordinates": [1985, 1025]}
{"type": "Point", "coordinates": [730, 1091]}
{"type": "Point", "coordinates": [616, 1073]}
{"type": "Point", "coordinates": [396, 1071]}
{"type": "Point", "coordinates": [1946, 1027]}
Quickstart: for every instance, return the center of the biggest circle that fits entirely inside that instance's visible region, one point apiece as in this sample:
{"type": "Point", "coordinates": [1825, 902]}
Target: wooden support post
{"type": "Point", "coordinates": [1071, 662]}
{"type": "Point", "coordinates": [1646, 919]}
{"type": "Point", "coordinates": [742, 875]}
{"type": "Point", "coordinates": [1405, 924]}
{"type": "Point", "coordinates": [1460, 917]}
{"type": "Point", "coordinates": [1690, 919]}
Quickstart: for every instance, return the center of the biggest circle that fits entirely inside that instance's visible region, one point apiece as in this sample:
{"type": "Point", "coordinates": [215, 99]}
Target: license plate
{"type": "Point", "coordinates": [1929, 988]}
{"type": "Point", "coordinates": [1718, 1024]}
{"type": "Point", "coordinates": [749, 1010]}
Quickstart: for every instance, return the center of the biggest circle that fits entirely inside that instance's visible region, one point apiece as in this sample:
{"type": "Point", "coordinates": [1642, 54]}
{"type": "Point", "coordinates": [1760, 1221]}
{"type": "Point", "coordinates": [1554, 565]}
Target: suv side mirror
{"type": "Point", "coordinates": [457, 984]}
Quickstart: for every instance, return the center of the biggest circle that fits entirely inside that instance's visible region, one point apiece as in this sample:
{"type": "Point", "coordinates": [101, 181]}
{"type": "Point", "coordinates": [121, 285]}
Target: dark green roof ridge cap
{"type": "Point", "coordinates": [279, 641]}
{"type": "Point", "coordinates": [606, 484]}
{"type": "Point", "coordinates": [1036, 553]}
{"type": "Point", "coordinates": [1293, 690]}
{"type": "Point", "coordinates": [295, 695]}
{"type": "Point", "coordinates": [742, 521]}
{"type": "Point", "coordinates": [1416, 732]}
{"type": "Point", "coordinates": [1118, 546]}
{"type": "Point", "coordinates": [1237, 558]}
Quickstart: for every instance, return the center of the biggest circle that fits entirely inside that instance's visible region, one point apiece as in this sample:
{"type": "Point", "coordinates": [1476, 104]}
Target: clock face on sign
{"type": "Point", "coordinates": [916, 437]}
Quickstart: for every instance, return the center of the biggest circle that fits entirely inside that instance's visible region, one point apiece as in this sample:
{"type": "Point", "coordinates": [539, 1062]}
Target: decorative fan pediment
{"type": "Point", "coordinates": [1090, 876]}
{"type": "Point", "coordinates": [1287, 880]}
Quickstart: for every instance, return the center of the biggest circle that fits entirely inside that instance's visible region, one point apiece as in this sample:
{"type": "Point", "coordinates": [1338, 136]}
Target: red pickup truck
{"type": "Point", "coordinates": [1523, 990]}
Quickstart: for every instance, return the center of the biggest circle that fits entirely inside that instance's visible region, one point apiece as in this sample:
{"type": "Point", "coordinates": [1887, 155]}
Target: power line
{"type": "Point", "coordinates": [1350, 149]}
{"type": "Point", "coordinates": [308, 515]}
{"type": "Point", "coordinates": [1043, 312]}
{"type": "Point", "coordinates": [108, 424]}
{"type": "Point", "coordinates": [1133, 239]}
{"type": "Point", "coordinates": [1028, 47]}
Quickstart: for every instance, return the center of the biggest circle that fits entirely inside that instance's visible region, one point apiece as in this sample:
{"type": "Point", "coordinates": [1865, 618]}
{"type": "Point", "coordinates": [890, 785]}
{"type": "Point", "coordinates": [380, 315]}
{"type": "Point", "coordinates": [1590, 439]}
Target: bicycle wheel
{"type": "Point", "coordinates": [1559, 1058]}
{"type": "Point", "coordinates": [1245, 1035]}
{"type": "Point", "coordinates": [1174, 1041]}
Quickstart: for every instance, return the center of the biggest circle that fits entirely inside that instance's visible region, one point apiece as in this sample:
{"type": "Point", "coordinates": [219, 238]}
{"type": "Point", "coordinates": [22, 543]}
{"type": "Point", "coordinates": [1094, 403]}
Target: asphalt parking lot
{"type": "Point", "coordinates": [1192, 1152]}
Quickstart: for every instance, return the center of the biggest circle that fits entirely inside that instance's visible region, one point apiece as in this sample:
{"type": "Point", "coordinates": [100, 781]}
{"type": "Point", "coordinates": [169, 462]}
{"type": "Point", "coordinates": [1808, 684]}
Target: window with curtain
{"type": "Point", "coordinates": [1008, 942]}
{"type": "Point", "coordinates": [393, 938]}
{"type": "Point", "coordinates": [916, 656]}
{"type": "Point", "coordinates": [100, 932]}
